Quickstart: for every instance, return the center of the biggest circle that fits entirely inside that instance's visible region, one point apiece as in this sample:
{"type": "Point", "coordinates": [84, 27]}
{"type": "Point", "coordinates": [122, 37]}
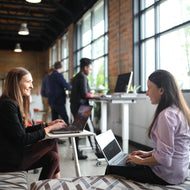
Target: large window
{"type": "Point", "coordinates": [162, 39]}
{"type": "Point", "coordinates": [91, 37]}
{"type": "Point", "coordinates": [65, 56]}
{"type": "Point", "coordinates": [54, 54]}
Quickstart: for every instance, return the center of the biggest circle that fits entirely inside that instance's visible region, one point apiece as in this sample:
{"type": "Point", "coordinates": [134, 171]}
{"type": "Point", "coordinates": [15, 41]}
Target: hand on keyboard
{"type": "Point", "coordinates": [130, 164]}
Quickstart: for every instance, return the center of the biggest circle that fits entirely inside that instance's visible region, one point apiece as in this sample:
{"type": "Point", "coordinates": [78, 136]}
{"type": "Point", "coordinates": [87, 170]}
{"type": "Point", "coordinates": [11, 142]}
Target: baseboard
{"type": "Point", "coordinates": [138, 145]}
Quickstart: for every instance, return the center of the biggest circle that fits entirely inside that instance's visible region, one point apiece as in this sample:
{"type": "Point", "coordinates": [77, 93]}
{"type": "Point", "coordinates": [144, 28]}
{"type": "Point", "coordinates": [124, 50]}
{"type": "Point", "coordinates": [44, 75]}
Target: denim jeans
{"type": "Point", "coordinates": [59, 110]}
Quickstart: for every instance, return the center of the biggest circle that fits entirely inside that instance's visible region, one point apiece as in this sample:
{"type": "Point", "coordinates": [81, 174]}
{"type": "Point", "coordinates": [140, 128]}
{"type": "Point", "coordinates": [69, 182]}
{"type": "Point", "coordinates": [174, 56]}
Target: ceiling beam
{"type": "Point", "coordinates": [28, 5]}
{"type": "Point", "coordinates": [24, 11]}
{"type": "Point", "coordinates": [17, 39]}
{"type": "Point", "coordinates": [62, 8]}
{"type": "Point", "coordinates": [30, 26]}
{"type": "Point", "coordinates": [52, 29]}
{"type": "Point", "coordinates": [47, 36]}
{"type": "Point", "coordinates": [59, 21]}
{"type": "Point", "coordinates": [15, 33]}
{"type": "Point", "coordinates": [28, 18]}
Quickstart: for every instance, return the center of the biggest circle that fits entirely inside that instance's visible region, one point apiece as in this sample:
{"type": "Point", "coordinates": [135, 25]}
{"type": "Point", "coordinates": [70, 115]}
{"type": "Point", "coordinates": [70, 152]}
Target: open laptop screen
{"type": "Point", "coordinates": [108, 144]}
{"type": "Point", "coordinates": [111, 150]}
{"type": "Point", "coordinates": [82, 116]}
{"type": "Point", "coordinates": [123, 82]}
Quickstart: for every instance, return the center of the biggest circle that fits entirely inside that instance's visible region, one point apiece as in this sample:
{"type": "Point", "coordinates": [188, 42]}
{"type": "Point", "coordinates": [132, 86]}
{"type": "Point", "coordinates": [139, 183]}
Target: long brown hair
{"type": "Point", "coordinates": [172, 95]}
{"type": "Point", "coordinates": [12, 90]}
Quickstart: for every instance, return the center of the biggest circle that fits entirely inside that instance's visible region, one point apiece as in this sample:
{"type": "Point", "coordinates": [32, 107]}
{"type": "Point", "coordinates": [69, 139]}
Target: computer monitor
{"type": "Point", "coordinates": [124, 82]}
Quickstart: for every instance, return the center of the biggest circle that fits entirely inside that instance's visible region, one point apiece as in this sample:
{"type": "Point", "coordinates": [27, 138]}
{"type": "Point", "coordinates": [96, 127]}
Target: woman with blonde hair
{"type": "Point", "coordinates": [21, 146]}
{"type": "Point", "coordinates": [169, 131]}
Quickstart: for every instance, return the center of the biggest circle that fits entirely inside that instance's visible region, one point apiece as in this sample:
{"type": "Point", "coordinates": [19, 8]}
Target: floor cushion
{"type": "Point", "coordinates": [100, 183]}
{"type": "Point", "coordinates": [13, 180]}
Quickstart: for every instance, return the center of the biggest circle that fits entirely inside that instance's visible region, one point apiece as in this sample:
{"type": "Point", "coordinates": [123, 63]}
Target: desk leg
{"type": "Point", "coordinates": [125, 127]}
{"type": "Point", "coordinates": [77, 167]}
{"type": "Point", "coordinates": [103, 124]}
{"type": "Point", "coordinates": [91, 127]}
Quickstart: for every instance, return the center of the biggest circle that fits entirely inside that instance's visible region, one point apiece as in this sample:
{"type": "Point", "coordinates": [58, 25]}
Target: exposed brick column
{"type": "Point", "coordinates": [120, 39]}
{"type": "Point", "coordinates": [70, 38]}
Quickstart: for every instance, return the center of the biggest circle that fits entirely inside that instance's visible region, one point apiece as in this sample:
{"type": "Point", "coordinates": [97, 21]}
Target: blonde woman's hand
{"type": "Point", "coordinates": [55, 126]}
{"type": "Point", "coordinates": [55, 121]}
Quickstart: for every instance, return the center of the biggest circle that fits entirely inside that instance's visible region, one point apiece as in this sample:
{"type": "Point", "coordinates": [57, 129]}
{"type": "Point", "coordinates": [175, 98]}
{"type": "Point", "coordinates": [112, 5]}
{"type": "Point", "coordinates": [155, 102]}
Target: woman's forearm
{"type": "Point", "coordinates": [149, 161]}
{"type": "Point", "coordinates": [149, 153]}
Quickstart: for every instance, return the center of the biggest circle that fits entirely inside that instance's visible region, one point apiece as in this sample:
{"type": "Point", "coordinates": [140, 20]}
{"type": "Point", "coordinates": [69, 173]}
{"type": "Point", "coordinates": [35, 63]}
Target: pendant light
{"type": "Point", "coordinates": [18, 48]}
{"type": "Point", "coordinates": [33, 1]}
{"type": "Point", "coordinates": [23, 29]}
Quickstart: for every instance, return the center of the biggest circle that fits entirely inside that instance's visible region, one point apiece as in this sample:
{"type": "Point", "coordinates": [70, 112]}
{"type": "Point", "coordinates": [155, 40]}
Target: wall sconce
{"type": "Point", "coordinates": [33, 1]}
{"type": "Point", "coordinates": [17, 48]}
{"type": "Point", "coordinates": [23, 29]}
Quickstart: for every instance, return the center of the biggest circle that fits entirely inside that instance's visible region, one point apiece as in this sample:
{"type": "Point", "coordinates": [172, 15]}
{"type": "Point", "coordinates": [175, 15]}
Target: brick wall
{"type": "Point", "coordinates": [70, 39]}
{"type": "Point", "coordinates": [35, 62]}
{"type": "Point", "coordinates": [120, 39]}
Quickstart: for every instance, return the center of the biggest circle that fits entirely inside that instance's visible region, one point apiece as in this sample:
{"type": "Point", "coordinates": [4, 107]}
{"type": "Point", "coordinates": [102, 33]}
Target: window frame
{"type": "Point", "coordinates": [139, 9]}
{"type": "Point", "coordinates": [65, 58]}
{"type": "Point", "coordinates": [78, 47]}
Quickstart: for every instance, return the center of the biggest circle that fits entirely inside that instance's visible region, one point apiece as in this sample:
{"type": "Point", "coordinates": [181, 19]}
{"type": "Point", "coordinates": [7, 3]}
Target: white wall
{"type": "Point", "coordinates": [140, 116]}
{"type": "Point", "coordinates": [36, 102]}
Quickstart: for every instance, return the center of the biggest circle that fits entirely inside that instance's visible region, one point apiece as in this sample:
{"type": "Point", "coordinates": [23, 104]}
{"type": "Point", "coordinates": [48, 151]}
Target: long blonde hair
{"type": "Point", "coordinates": [12, 90]}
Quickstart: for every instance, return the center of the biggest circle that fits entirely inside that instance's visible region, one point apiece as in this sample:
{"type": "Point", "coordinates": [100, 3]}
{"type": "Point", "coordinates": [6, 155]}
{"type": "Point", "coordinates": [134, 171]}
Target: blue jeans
{"type": "Point", "coordinates": [57, 110]}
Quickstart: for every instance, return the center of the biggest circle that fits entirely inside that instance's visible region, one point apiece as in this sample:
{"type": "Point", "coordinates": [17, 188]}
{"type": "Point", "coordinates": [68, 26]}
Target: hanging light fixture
{"type": "Point", "coordinates": [33, 1]}
{"type": "Point", "coordinates": [23, 29]}
{"type": "Point", "coordinates": [18, 48]}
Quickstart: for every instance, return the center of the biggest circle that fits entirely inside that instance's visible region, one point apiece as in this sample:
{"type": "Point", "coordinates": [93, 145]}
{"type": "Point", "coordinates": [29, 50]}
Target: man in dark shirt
{"type": "Point", "coordinates": [44, 94]}
{"type": "Point", "coordinates": [57, 96]}
{"type": "Point", "coordinates": [80, 92]}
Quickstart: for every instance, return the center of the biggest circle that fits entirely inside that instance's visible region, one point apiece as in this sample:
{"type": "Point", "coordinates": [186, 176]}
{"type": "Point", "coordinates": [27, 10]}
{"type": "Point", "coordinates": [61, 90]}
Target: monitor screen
{"type": "Point", "coordinates": [123, 82]}
{"type": "Point", "coordinates": [82, 116]}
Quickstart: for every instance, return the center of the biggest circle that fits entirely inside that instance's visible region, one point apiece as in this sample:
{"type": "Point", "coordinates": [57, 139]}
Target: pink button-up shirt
{"type": "Point", "coordinates": [171, 138]}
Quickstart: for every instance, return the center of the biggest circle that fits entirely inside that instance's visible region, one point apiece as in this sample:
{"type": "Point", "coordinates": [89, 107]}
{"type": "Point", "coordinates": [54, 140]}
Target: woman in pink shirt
{"type": "Point", "coordinates": [169, 131]}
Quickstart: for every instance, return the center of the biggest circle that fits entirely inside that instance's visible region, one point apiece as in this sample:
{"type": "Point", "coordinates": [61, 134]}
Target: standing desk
{"type": "Point", "coordinates": [73, 135]}
{"type": "Point", "coordinates": [124, 100]}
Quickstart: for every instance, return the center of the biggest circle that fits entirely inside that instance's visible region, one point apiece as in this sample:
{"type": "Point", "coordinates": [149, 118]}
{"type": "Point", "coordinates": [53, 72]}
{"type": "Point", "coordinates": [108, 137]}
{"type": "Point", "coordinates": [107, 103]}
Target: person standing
{"type": "Point", "coordinates": [81, 92]}
{"type": "Point", "coordinates": [44, 94]}
{"type": "Point", "coordinates": [57, 96]}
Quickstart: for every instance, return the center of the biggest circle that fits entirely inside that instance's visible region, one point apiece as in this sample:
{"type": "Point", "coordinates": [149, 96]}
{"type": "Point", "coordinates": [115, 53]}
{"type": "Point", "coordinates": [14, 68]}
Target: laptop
{"type": "Point", "coordinates": [112, 150]}
{"type": "Point", "coordinates": [79, 122]}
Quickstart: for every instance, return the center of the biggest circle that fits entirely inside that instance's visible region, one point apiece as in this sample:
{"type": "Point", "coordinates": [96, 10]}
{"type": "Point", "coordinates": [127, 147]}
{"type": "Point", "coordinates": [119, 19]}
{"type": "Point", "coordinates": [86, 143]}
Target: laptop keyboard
{"type": "Point", "coordinates": [122, 160]}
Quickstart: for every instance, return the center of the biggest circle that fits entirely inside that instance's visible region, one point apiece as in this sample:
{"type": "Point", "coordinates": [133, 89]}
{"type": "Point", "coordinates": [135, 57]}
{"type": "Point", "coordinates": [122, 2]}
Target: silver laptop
{"type": "Point", "coordinates": [79, 122]}
{"type": "Point", "coordinates": [111, 149]}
